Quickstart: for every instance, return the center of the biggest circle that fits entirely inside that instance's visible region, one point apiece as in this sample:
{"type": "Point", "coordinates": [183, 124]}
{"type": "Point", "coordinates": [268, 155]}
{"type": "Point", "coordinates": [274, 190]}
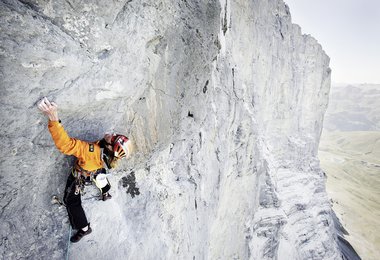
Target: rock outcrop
{"type": "Point", "coordinates": [224, 100]}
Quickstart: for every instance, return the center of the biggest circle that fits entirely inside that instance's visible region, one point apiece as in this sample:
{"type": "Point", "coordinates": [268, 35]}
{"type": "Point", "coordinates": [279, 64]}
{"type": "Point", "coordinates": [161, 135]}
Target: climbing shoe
{"type": "Point", "coordinates": [80, 233]}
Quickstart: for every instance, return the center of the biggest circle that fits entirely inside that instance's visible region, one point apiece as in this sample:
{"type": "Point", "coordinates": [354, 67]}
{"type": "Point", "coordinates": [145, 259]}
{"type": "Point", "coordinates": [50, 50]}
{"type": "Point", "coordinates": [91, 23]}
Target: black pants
{"type": "Point", "coordinates": [73, 203]}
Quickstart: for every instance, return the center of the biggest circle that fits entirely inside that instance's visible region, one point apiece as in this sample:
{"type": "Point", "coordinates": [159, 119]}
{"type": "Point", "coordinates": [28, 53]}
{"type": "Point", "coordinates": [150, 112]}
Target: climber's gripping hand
{"type": "Point", "coordinates": [50, 109]}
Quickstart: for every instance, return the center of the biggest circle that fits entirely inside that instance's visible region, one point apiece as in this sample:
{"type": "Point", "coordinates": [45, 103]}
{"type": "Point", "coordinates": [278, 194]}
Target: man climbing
{"type": "Point", "coordinates": [88, 166]}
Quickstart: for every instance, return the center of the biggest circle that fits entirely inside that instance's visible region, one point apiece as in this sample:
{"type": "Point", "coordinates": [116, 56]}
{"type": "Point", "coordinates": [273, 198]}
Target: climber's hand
{"type": "Point", "coordinates": [50, 109]}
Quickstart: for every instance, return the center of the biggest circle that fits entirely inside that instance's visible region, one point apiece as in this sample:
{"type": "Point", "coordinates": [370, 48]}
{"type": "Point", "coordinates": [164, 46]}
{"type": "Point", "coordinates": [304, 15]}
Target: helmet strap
{"type": "Point", "coordinates": [107, 157]}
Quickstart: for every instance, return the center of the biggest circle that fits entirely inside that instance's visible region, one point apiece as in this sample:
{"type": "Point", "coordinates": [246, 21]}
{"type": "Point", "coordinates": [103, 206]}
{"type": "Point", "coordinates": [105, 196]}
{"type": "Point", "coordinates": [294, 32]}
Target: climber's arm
{"type": "Point", "coordinates": [62, 140]}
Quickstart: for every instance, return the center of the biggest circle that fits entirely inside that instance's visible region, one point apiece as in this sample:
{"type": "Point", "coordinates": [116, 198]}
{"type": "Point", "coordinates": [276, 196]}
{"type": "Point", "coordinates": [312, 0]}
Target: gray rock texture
{"type": "Point", "coordinates": [224, 100]}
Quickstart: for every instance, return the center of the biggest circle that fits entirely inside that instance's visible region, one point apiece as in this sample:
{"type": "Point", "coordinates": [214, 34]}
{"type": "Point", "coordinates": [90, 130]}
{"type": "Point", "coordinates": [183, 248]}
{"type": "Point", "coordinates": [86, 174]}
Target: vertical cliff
{"type": "Point", "coordinates": [224, 100]}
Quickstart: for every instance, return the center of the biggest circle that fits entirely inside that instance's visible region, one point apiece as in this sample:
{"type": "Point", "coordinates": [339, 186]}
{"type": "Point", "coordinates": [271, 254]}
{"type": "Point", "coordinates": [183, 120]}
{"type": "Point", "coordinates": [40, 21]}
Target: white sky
{"type": "Point", "coordinates": [349, 32]}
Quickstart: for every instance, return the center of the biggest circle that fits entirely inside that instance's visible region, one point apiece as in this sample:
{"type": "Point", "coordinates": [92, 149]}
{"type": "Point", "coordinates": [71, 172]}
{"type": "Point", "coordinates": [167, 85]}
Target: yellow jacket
{"type": "Point", "coordinates": [88, 154]}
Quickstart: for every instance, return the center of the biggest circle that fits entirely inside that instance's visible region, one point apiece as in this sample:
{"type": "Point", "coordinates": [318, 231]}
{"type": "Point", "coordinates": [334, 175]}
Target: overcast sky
{"type": "Point", "coordinates": [349, 32]}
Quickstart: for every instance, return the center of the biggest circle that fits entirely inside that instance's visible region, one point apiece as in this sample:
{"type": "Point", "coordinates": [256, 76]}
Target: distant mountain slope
{"type": "Point", "coordinates": [353, 108]}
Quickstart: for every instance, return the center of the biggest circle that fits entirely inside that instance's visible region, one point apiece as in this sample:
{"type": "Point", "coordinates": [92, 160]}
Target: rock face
{"type": "Point", "coordinates": [224, 100]}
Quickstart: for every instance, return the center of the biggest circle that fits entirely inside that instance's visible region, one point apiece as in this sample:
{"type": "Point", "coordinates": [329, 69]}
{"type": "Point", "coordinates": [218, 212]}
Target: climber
{"type": "Point", "coordinates": [88, 166]}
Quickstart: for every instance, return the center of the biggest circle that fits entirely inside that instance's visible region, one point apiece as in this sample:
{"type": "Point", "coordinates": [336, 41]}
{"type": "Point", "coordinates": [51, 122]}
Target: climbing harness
{"type": "Point", "coordinates": [84, 178]}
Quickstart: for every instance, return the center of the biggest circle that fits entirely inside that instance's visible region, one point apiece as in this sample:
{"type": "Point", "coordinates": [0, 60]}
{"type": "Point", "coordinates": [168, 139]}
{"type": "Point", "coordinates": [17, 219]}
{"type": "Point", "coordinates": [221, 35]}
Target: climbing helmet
{"type": "Point", "coordinates": [119, 146]}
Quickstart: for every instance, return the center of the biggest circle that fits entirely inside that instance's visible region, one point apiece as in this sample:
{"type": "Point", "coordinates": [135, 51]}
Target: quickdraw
{"type": "Point", "coordinates": [84, 178]}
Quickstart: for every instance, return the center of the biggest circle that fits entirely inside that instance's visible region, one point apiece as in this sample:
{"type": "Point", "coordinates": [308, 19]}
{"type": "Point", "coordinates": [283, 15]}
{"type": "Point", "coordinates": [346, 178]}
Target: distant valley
{"type": "Point", "coordinates": [349, 152]}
